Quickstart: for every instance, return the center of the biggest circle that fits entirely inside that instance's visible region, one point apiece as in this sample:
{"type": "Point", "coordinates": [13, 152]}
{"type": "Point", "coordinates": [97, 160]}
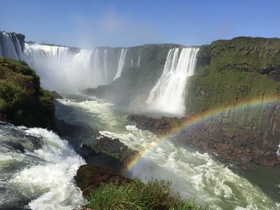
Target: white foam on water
{"type": "Point", "coordinates": [96, 110]}
{"type": "Point", "coordinates": [51, 184]}
{"type": "Point", "coordinates": [193, 174]}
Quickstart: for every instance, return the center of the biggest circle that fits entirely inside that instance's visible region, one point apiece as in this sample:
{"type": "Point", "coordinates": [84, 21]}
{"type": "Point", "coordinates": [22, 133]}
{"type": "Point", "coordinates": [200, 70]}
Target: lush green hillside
{"type": "Point", "coordinates": [22, 100]}
{"type": "Point", "coordinates": [234, 71]}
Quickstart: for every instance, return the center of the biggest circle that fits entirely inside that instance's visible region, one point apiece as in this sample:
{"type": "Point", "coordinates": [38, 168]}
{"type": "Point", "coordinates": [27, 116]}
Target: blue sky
{"type": "Point", "coordinates": [125, 23]}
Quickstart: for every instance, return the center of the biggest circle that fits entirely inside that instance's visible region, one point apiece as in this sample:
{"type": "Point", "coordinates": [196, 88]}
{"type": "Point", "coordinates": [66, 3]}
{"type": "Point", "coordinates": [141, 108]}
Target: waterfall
{"type": "Point", "coordinates": [38, 53]}
{"type": "Point", "coordinates": [105, 62]}
{"type": "Point", "coordinates": [10, 46]}
{"type": "Point", "coordinates": [64, 69]}
{"type": "Point", "coordinates": [167, 96]}
{"type": "Point", "coordinates": [121, 63]}
{"type": "Point", "coordinates": [138, 61]}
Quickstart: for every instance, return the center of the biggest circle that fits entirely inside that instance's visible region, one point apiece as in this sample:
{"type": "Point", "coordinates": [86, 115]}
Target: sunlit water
{"type": "Point", "coordinates": [193, 174]}
{"type": "Point", "coordinates": [37, 169]}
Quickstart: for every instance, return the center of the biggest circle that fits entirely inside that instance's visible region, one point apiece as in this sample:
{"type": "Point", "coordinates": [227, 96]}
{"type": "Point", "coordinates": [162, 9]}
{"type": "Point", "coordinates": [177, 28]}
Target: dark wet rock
{"type": "Point", "coordinates": [160, 126]}
{"type": "Point", "coordinates": [56, 95]}
{"type": "Point", "coordinates": [75, 131]}
{"type": "Point", "coordinates": [15, 146]}
{"type": "Point", "coordinates": [109, 153]}
{"type": "Point", "coordinates": [90, 177]}
{"type": "Point", "coordinates": [229, 143]}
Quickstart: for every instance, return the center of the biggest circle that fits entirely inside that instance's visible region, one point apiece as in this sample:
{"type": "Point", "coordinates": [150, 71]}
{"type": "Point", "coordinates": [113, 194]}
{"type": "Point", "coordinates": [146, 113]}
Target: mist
{"type": "Point", "coordinates": [66, 70]}
{"type": "Point", "coordinates": [66, 74]}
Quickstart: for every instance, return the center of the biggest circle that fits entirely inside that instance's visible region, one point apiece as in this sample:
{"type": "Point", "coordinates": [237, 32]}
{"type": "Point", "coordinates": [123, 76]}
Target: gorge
{"type": "Point", "coordinates": [221, 98]}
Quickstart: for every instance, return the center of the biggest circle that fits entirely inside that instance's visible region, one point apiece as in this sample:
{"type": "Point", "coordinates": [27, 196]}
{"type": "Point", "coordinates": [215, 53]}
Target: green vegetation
{"type": "Point", "coordinates": [22, 100]}
{"type": "Point", "coordinates": [211, 89]}
{"type": "Point", "coordinates": [233, 71]}
{"type": "Point", "coordinates": [155, 195]}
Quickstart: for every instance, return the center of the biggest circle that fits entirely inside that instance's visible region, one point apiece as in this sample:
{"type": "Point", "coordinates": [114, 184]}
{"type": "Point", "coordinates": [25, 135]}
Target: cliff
{"type": "Point", "coordinates": [235, 95]}
{"type": "Point", "coordinates": [143, 66]}
{"type": "Point", "coordinates": [231, 71]}
{"type": "Point", "coordinates": [22, 100]}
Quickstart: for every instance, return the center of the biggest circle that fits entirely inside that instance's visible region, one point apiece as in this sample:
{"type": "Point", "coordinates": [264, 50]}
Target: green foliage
{"type": "Point", "coordinates": [155, 195]}
{"type": "Point", "coordinates": [242, 54]}
{"type": "Point", "coordinates": [234, 71]}
{"type": "Point", "coordinates": [22, 101]}
{"type": "Point", "coordinates": [214, 89]}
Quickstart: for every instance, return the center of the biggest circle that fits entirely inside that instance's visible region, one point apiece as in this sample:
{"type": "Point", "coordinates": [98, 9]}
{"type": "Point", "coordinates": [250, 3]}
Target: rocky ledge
{"type": "Point", "coordinates": [108, 153]}
{"type": "Point", "coordinates": [90, 177]}
{"type": "Point", "coordinates": [217, 138]}
{"type": "Point", "coordinates": [103, 151]}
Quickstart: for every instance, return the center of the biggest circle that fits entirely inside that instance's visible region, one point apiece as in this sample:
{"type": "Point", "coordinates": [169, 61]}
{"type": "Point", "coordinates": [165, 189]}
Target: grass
{"type": "Point", "coordinates": [154, 195]}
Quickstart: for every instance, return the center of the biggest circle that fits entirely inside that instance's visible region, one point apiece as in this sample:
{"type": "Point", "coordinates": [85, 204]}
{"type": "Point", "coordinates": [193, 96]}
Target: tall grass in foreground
{"type": "Point", "coordinates": [154, 195]}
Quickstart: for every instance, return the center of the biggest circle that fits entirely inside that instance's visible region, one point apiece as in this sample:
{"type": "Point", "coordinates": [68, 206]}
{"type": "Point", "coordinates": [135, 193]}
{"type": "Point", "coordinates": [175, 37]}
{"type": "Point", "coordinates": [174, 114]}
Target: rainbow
{"type": "Point", "coordinates": [193, 121]}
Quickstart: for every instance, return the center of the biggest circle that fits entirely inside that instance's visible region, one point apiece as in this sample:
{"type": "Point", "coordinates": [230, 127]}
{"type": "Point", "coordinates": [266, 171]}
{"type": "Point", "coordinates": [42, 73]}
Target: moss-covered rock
{"type": "Point", "coordinates": [109, 153]}
{"type": "Point", "coordinates": [242, 54]}
{"type": "Point", "coordinates": [239, 73]}
{"type": "Point", "coordinates": [22, 100]}
{"type": "Point", "coordinates": [232, 71]}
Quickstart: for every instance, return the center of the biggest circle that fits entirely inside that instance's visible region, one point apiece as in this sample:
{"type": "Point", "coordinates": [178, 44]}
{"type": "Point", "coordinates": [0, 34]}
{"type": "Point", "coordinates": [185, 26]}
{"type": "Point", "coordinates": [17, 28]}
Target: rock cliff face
{"type": "Point", "coordinates": [238, 80]}
{"type": "Point", "coordinates": [219, 136]}
{"type": "Point", "coordinates": [143, 66]}
{"type": "Point", "coordinates": [240, 71]}
{"type": "Point", "coordinates": [230, 72]}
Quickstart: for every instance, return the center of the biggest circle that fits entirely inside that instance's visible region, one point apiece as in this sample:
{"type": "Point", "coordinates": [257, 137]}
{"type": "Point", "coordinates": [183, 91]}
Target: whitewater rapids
{"type": "Point", "coordinates": [34, 176]}
{"type": "Point", "coordinates": [193, 174]}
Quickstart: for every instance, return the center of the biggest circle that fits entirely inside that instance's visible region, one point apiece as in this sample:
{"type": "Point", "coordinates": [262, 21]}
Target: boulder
{"type": "Point", "coordinates": [90, 177]}
{"type": "Point", "coordinates": [74, 130]}
{"type": "Point", "coordinates": [108, 153]}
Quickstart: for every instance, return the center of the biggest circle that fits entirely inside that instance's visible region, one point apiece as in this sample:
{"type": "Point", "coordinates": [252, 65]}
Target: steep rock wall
{"type": "Point", "coordinates": [229, 72]}
{"type": "Point", "coordinates": [238, 80]}
{"type": "Point", "coordinates": [142, 67]}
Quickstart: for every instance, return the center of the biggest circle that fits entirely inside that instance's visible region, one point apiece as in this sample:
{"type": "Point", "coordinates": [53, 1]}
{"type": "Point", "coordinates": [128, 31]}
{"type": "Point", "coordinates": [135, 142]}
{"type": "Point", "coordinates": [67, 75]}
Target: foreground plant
{"type": "Point", "coordinates": [154, 195]}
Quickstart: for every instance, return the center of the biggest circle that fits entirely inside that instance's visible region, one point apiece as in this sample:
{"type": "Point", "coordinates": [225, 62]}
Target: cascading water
{"type": "Point", "coordinates": [64, 69]}
{"type": "Point", "coordinates": [105, 62]}
{"type": "Point", "coordinates": [36, 170]}
{"type": "Point", "coordinates": [121, 63]}
{"type": "Point", "coordinates": [193, 174]}
{"type": "Point", "coordinates": [139, 59]}
{"type": "Point", "coordinates": [10, 46]}
{"type": "Point", "coordinates": [38, 53]}
{"type": "Point", "coordinates": [167, 96]}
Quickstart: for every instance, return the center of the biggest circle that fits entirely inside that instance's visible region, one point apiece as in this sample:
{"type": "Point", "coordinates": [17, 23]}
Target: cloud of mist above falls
{"type": "Point", "coordinates": [108, 27]}
{"type": "Point", "coordinates": [74, 72]}
{"type": "Point", "coordinates": [114, 29]}
{"type": "Point", "coordinates": [68, 73]}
